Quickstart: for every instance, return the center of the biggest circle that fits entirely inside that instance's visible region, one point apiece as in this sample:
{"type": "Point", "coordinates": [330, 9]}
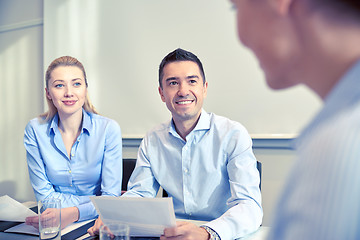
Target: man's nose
{"type": "Point", "coordinates": [183, 89]}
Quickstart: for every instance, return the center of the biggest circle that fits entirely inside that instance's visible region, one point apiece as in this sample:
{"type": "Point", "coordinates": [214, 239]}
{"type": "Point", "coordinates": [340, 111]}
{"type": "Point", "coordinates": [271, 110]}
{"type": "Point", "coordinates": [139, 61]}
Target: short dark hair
{"type": "Point", "coordinates": [176, 56]}
{"type": "Point", "coordinates": [347, 8]}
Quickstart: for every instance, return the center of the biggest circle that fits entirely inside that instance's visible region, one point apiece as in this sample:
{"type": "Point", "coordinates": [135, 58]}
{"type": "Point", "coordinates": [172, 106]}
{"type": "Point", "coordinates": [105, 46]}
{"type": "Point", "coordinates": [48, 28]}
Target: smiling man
{"type": "Point", "coordinates": [183, 89]}
{"type": "Point", "coordinates": [203, 161]}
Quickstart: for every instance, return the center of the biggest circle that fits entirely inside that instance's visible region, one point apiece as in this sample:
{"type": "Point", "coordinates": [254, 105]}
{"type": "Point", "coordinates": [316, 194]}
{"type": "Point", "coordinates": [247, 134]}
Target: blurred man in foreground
{"type": "Point", "coordinates": [315, 43]}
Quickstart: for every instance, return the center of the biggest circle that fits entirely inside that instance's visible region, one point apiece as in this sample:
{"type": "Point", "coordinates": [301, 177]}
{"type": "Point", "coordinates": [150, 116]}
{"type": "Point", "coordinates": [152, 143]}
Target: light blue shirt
{"type": "Point", "coordinates": [212, 176]}
{"type": "Point", "coordinates": [322, 197]}
{"type": "Point", "coordinates": [95, 166]}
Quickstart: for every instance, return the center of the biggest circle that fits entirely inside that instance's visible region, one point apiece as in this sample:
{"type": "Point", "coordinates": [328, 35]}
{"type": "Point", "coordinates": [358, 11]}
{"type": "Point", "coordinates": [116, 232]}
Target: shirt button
{"type": "Point", "coordinates": [69, 171]}
{"type": "Point", "coordinates": [70, 185]}
{"type": "Point", "coordinates": [72, 155]}
{"type": "Point", "coordinates": [186, 170]}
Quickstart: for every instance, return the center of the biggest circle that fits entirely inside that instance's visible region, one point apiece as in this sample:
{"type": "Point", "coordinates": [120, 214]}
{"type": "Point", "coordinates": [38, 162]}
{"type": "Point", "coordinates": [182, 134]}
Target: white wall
{"type": "Point", "coordinates": [121, 44]}
{"type": "Point", "coordinates": [21, 95]}
{"type": "Point", "coordinates": [21, 89]}
{"type": "Point", "coordinates": [276, 164]}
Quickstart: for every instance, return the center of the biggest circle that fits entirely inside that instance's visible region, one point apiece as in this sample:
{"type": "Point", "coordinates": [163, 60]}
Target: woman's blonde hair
{"type": "Point", "coordinates": [64, 61]}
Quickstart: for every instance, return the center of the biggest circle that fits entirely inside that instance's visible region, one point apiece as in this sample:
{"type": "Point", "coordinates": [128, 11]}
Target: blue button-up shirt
{"type": "Point", "coordinates": [94, 167]}
{"type": "Point", "coordinates": [212, 176]}
{"type": "Point", "coordinates": [322, 195]}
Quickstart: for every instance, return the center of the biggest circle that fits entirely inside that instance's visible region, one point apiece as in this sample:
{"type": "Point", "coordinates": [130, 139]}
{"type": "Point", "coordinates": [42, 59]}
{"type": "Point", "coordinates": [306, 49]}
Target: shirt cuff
{"type": "Point", "coordinates": [86, 211]}
{"type": "Point", "coordinates": [213, 234]}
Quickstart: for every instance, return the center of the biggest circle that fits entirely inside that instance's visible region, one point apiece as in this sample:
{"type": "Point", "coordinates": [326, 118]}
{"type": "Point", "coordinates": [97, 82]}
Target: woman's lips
{"type": "Point", "coordinates": [69, 102]}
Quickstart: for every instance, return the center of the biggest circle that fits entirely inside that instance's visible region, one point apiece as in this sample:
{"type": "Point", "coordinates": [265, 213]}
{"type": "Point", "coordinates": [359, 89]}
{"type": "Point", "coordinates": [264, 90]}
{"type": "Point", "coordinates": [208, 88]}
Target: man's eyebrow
{"type": "Point", "coordinates": [177, 78]}
{"type": "Point", "coordinates": [192, 76]}
{"type": "Point", "coordinates": [171, 79]}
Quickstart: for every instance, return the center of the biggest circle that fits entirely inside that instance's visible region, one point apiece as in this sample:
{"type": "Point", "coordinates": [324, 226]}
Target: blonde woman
{"type": "Point", "coordinates": [72, 152]}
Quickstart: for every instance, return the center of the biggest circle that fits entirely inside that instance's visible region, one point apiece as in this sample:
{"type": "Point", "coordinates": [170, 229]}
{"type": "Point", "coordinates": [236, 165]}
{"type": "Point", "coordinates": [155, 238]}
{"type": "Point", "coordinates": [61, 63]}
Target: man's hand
{"type": "Point", "coordinates": [185, 230]}
{"type": "Point", "coordinates": [94, 230]}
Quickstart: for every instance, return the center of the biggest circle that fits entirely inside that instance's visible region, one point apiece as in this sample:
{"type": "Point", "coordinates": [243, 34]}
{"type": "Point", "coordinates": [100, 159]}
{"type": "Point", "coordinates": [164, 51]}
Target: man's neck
{"type": "Point", "coordinates": [184, 127]}
{"type": "Point", "coordinates": [325, 58]}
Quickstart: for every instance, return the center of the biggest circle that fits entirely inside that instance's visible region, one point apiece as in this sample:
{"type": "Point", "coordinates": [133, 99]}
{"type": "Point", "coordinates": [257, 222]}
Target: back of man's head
{"type": "Point", "coordinates": [176, 56]}
{"type": "Point", "coordinates": [348, 9]}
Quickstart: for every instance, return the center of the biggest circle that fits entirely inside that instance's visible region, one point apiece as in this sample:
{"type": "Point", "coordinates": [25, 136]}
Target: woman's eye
{"type": "Point", "coordinates": [59, 85]}
{"type": "Point", "coordinates": [77, 84]}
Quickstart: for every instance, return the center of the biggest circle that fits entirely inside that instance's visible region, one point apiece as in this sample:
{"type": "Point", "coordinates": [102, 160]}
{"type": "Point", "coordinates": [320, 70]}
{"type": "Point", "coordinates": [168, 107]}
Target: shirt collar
{"type": "Point", "coordinates": [345, 93]}
{"type": "Point", "coordinates": [202, 124]}
{"type": "Point", "coordinates": [54, 124]}
{"type": "Point", "coordinates": [204, 121]}
{"type": "Point", "coordinates": [86, 124]}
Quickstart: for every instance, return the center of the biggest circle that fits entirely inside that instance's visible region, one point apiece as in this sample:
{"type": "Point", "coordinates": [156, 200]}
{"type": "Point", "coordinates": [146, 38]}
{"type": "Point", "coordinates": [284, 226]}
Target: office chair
{"type": "Point", "coordinates": [259, 168]}
{"type": "Point", "coordinates": [128, 168]}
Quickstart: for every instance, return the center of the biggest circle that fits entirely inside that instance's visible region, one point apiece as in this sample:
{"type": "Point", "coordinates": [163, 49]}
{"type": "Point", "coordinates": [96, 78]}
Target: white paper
{"type": "Point", "coordinates": [12, 210]}
{"type": "Point", "coordinates": [196, 222]}
{"type": "Point", "coordinates": [145, 216]}
{"type": "Point", "coordinates": [23, 228]}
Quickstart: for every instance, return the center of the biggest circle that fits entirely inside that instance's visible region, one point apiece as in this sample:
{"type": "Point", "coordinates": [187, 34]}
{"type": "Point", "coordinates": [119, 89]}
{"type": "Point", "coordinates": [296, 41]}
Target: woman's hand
{"type": "Point", "coordinates": [33, 221]}
{"type": "Point", "coordinates": [68, 216]}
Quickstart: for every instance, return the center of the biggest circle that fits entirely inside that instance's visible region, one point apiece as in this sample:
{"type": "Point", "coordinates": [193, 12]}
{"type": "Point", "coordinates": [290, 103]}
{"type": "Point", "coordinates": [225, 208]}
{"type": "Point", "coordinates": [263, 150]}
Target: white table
{"type": "Point", "coordinates": [260, 234]}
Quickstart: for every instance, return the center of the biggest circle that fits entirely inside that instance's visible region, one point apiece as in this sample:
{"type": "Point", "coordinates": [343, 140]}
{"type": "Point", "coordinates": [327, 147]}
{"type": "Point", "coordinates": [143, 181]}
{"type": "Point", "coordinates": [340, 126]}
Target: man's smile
{"type": "Point", "coordinates": [184, 102]}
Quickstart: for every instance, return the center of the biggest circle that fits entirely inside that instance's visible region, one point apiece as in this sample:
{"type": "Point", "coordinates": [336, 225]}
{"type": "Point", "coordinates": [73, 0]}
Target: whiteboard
{"type": "Point", "coordinates": [122, 42]}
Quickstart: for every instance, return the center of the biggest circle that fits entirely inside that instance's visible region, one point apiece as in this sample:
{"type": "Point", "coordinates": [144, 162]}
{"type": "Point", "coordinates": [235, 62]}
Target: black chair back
{"type": "Point", "coordinates": [128, 168]}
{"type": "Point", "coordinates": [259, 167]}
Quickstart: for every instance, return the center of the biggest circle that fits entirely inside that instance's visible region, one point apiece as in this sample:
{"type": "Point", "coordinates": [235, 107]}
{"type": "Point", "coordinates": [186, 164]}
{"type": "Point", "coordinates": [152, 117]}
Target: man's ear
{"type": "Point", "coordinates": [283, 6]}
{"type": "Point", "coordinates": [161, 94]}
{"type": "Point", "coordinates": [205, 88]}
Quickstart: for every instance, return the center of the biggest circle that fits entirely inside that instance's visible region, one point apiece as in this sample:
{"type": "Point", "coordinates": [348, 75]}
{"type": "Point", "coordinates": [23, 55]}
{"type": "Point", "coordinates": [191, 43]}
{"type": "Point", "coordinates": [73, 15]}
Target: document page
{"type": "Point", "coordinates": [147, 217]}
{"type": "Point", "coordinates": [27, 229]}
{"type": "Point", "coordinates": [12, 210]}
